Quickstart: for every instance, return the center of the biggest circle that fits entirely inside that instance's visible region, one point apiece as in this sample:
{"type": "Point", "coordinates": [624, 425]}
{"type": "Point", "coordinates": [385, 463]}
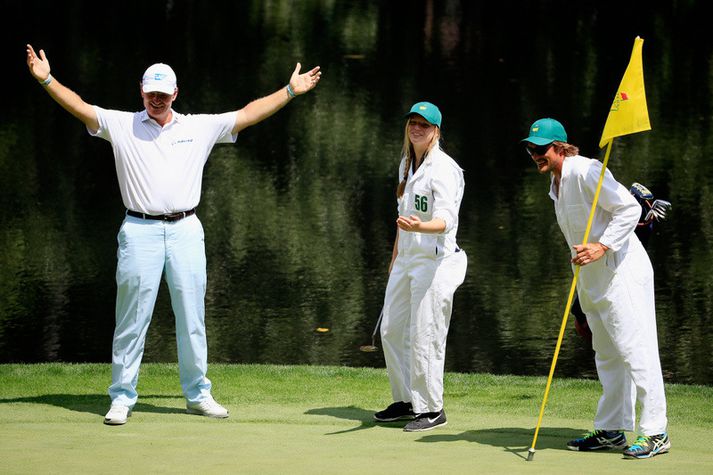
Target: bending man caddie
{"type": "Point", "coordinates": [616, 292]}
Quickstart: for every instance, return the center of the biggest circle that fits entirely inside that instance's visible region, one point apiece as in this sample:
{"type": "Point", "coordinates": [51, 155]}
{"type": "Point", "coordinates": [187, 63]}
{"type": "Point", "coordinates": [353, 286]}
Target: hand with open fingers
{"type": "Point", "coordinates": [410, 223]}
{"type": "Point", "coordinates": [39, 65]}
{"type": "Point", "coordinates": [588, 253]}
{"type": "Point", "coordinates": [301, 83]}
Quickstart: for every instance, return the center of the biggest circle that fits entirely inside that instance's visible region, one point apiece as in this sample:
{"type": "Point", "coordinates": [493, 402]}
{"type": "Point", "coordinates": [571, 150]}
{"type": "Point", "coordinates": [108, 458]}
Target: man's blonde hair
{"type": "Point", "coordinates": [567, 149]}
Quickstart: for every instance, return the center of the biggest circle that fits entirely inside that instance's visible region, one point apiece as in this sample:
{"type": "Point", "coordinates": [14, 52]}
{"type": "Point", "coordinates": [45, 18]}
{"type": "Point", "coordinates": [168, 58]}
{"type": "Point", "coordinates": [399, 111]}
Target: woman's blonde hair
{"type": "Point", "coordinates": [408, 153]}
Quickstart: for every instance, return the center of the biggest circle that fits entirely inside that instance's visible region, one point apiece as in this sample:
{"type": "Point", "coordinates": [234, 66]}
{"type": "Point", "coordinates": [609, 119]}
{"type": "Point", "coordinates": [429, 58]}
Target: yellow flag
{"type": "Point", "coordinates": [628, 113]}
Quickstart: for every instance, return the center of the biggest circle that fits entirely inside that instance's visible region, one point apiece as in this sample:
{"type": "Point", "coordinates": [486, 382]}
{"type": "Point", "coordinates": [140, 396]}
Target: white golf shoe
{"type": "Point", "coordinates": [117, 415]}
{"type": "Point", "coordinates": [207, 407]}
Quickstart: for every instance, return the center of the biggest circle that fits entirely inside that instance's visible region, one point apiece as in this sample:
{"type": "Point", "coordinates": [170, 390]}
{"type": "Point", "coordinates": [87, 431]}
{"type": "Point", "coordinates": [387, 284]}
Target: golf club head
{"type": "Point", "coordinates": [658, 210]}
{"type": "Point", "coordinates": [643, 196]}
{"type": "Point", "coordinates": [368, 348]}
{"type": "Point", "coordinates": [640, 192]}
{"type": "Point", "coordinates": [372, 348]}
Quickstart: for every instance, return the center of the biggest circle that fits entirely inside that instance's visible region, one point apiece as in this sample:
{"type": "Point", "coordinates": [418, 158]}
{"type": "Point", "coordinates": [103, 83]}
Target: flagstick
{"type": "Point", "coordinates": [531, 451]}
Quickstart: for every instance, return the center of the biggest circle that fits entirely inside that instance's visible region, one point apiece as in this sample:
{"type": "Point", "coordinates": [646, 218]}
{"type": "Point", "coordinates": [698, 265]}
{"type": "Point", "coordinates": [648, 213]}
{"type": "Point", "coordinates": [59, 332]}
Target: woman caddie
{"type": "Point", "coordinates": [426, 269]}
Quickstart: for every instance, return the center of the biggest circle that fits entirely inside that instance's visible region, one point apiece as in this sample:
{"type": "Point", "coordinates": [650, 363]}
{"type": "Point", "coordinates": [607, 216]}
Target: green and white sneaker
{"type": "Point", "coordinates": [646, 446]}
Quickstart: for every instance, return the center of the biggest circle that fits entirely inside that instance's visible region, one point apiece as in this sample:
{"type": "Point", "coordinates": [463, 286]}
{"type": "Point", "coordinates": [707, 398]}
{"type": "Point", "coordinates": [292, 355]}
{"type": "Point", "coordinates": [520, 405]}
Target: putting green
{"type": "Point", "coordinates": [313, 420]}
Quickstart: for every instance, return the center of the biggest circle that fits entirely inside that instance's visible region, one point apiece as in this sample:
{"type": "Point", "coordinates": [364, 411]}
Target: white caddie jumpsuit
{"type": "Point", "coordinates": [617, 295]}
{"type": "Point", "coordinates": [425, 274]}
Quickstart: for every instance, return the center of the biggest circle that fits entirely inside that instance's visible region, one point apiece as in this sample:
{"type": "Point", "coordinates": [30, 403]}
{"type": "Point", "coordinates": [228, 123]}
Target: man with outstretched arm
{"type": "Point", "coordinates": [159, 156]}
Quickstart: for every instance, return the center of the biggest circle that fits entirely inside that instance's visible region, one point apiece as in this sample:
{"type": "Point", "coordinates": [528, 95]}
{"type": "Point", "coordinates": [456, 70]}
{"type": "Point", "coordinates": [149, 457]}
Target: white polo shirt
{"type": "Point", "coordinates": [160, 169]}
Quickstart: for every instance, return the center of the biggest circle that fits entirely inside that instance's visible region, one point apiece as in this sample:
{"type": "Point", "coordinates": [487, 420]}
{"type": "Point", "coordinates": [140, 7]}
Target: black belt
{"type": "Point", "coordinates": [162, 217]}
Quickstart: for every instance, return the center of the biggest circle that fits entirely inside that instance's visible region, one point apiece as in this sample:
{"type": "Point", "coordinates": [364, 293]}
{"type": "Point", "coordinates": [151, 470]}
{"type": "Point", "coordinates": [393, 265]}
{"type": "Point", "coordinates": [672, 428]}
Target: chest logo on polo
{"type": "Point", "coordinates": [421, 203]}
{"type": "Point", "coordinates": [180, 141]}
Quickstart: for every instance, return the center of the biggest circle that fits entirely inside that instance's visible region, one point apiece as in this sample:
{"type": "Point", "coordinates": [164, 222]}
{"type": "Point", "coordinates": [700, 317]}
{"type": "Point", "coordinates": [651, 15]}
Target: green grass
{"type": "Point", "coordinates": [313, 419]}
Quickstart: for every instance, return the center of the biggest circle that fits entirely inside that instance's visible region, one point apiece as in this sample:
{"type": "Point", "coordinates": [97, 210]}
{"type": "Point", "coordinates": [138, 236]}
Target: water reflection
{"type": "Point", "coordinates": [299, 215]}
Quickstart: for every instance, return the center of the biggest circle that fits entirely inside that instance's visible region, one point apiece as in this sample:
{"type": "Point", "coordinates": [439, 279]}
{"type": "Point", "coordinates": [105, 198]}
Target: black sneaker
{"type": "Point", "coordinates": [427, 421]}
{"type": "Point", "coordinates": [647, 446]}
{"type": "Point", "coordinates": [598, 440]}
{"type": "Point", "coordinates": [395, 412]}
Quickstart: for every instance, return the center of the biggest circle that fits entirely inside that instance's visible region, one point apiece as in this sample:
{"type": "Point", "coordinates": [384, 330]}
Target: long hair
{"type": "Point", "coordinates": [568, 149]}
{"type": "Point", "coordinates": [409, 154]}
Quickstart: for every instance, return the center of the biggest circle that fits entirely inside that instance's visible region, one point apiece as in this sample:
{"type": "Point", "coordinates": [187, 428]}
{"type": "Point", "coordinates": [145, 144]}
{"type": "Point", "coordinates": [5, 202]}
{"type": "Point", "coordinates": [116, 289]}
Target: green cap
{"type": "Point", "coordinates": [546, 131]}
{"type": "Point", "coordinates": [428, 111]}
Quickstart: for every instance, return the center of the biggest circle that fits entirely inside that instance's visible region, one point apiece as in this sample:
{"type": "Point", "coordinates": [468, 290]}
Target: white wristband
{"type": "Point", "coordinates": [47, 81]}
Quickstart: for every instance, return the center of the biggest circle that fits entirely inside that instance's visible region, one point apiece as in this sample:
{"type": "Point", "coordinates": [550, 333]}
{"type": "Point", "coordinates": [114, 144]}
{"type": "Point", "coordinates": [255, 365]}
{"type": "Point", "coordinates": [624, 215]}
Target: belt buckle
{"type": "Point", "coordinates": [174, 216]}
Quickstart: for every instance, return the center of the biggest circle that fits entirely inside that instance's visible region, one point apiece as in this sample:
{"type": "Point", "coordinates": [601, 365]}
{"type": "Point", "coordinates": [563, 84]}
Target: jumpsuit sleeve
{"type": "Point", "coordinates": [446, 186]}
{"type": "Point", "coordinates": [615, 199]}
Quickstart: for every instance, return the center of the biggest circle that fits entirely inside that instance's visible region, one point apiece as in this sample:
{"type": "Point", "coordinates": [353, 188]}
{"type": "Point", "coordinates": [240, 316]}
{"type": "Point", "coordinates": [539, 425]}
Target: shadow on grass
{"type": "Point", "coordinates": [515, 440]}
{"type": "Point", "coordinates": [92, 403]}
{"type": "Point", "coordinates": [352, 413]}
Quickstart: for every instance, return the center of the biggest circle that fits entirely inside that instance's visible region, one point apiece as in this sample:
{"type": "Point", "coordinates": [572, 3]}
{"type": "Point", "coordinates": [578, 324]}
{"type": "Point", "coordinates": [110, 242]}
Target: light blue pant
{"type": "Point", "coordinates": [147, 248]}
